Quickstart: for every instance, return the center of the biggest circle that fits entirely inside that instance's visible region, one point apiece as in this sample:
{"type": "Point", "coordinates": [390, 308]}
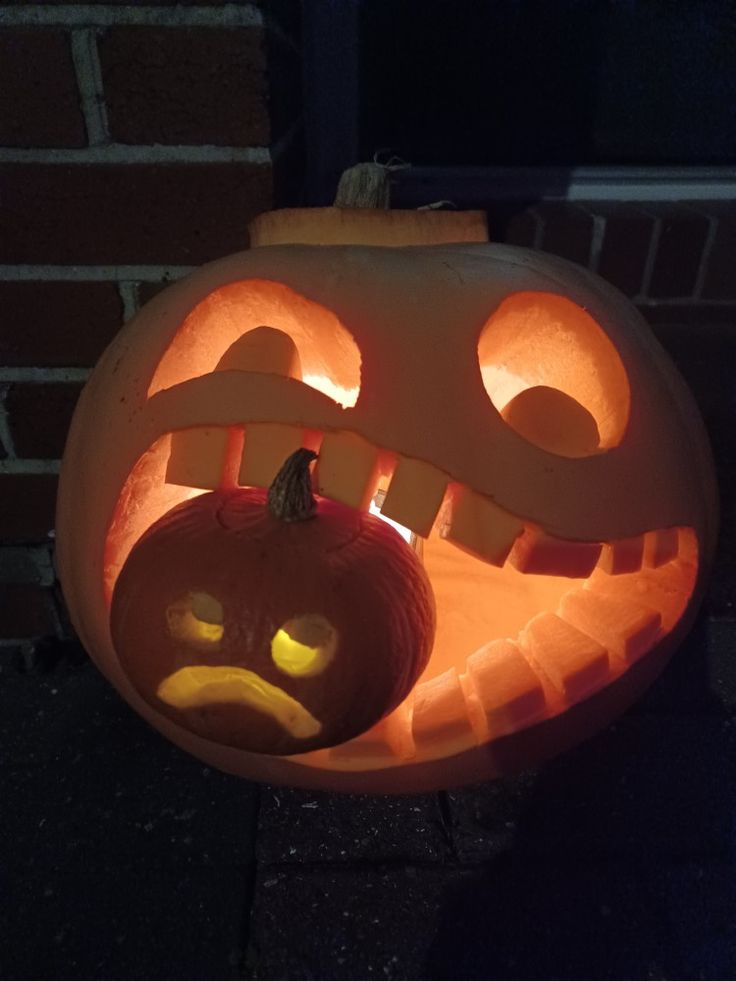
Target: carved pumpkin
{"type": "Point", "coordinates": [508, 410]}
{"type": "Point", "coordinates": [287, 627]}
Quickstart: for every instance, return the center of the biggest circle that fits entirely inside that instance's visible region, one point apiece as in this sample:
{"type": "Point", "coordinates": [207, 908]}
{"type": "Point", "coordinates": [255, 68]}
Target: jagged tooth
{"type": "Point", "coordinates": [627, 629]}
{"type": "Point", "coordinates": [267, 446]}
{"type": "Point", "coordinates": [661, 546]}
{"type": "Point", "coordinates": [509, 691]}
{"type": "Point", "coordinates": [478, 525]}
{"type": "Point", "coordinates": [537, 552]}
{"type": "Point", "coordinates": [414, 495]}
{"type": "Point", "coordinates": [622, 555]}
{"type": "Point", "coordinates": [574, 662]}
{"type": "Point", "coordinates": [207, 457]}
{"type": "Point", "coordinates": [198, 457]}
{"type": "Point", "coordinates": [441, 719]}
{"type": "Point", "coordinates": [390, 738]}
{"type": "Point", "coordinates": [348, 469]}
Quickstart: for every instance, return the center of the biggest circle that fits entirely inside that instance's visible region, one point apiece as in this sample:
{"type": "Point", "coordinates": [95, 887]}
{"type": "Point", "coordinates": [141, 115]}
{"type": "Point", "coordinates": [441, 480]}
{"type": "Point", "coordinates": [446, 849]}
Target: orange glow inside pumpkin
{"type": "Point", "coordinates": [541, 339]}
{"type": "Point", "coordinates": [330, 357]}
{"type": "Point", "coordinates": [527, 624]}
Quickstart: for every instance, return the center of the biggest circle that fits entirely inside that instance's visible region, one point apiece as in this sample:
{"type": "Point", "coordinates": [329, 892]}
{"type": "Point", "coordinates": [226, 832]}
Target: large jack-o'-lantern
{"type": "Point", "coordinates": [509, 413]}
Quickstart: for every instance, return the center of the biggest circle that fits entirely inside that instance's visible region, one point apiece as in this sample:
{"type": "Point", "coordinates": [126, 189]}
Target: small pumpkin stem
{"type": "Point", "coordinates": [290, 496]}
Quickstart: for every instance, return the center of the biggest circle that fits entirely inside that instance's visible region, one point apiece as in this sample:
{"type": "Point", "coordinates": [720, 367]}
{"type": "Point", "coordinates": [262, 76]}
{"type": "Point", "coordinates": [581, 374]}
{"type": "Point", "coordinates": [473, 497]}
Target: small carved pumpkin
{"type": "Point", "coordinates": [287, 627]}
{"type": "Point", "coordinates": [508, 410]}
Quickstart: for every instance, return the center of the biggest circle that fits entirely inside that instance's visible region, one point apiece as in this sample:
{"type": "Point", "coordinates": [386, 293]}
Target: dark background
{"type": "Point", "coordinates": [121, 858]}
{"type": "Point", "coordinates": [571, 82]}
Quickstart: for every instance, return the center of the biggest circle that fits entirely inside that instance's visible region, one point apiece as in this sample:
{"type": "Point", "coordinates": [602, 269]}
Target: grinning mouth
{"type": "Point", "coordinates": [528, 623]}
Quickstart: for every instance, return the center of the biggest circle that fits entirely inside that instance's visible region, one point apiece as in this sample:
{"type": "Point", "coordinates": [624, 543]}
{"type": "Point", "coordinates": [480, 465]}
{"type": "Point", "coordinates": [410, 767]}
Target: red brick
{"type": "Point", "coordinates": [185, 85]}
{"type": "Point", "coordinates": [28, 507]}
{"type": "Point", "coordinates": [57, 324]}
{"type": "Point", "coordinates": [567, 231]}
{"type": "Point", "coordinates": [625, 248]}
{"type": "Point", "coordinates": [679, 250]}
{"type": "Point", "coordinates": [25, 611]}
{"type": "Point", "coordinates": [720, 278]}
{"type": "Point", "coordinates": [40, 101]}
{"type": "Point", "coordinates": [182, 214]}
{"type": "Point", "coordinates": [40, 414]}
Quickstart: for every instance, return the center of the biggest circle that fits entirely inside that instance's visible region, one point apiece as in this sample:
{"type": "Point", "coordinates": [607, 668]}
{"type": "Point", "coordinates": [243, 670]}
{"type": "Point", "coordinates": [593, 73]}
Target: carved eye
{"type": "Point", "coordinates": [196, 619]}
{"type": "Point", "coordinates": [304, 646]}
{"type": "Point", "coordinates": [320, 351]}
{"type": "Point", "coordinates": [554, 375]}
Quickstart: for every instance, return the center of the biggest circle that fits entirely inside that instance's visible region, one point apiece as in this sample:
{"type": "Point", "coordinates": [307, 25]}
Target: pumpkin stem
{"type": "Point", "coordinates": [290, 496]}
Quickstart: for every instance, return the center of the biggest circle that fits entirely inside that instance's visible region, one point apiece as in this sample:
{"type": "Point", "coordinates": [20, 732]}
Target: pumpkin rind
{"type": "Point", "coordinates": [415, 315]}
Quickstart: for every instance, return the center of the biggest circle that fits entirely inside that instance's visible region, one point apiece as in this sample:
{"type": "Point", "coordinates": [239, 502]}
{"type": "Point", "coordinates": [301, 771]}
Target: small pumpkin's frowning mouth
{"type": "Point", "coordinates": [302, 648]}
{"type": "Point", "coordinates": [196, 686]}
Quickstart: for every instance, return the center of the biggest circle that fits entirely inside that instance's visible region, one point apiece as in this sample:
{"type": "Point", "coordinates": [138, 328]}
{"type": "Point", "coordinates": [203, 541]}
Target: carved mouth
{"type": "Point", "coordinates": [528, 624]}
{"type": "Point", "coordinates": [196, 686]}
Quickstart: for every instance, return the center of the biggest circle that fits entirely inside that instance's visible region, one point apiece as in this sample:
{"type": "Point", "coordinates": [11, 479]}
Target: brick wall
{"type": "Point", "coordinates": [675, 260]}
{"type": "Point", "coordinates": [136, 142]}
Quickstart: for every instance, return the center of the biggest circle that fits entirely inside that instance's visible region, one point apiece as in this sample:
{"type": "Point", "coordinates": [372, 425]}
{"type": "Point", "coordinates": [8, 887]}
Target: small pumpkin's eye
{"type": "Point", "coordinates": [196, 618]}
{"type": "Point", "coordinates": [554, 374]}
{"type": "Point", "coordinates": [304, 645]}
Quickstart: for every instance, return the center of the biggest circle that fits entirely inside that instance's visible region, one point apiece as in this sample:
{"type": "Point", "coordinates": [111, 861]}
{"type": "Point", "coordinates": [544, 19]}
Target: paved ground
{"type": "Point", "coordinates": [122, 859]}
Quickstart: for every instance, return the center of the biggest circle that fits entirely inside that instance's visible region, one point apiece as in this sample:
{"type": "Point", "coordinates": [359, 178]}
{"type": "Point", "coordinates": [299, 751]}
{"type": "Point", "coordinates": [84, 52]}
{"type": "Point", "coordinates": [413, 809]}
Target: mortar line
{"type": "Point", "coordinates": [646, 279]}
{"type": "Point", "coordinates": [89, 81]}
{"type": "Point", "coordinates": [596, 241]}
{"type": "Point", "coordinates": [104, 152]}
{"type": "Point", "coordinates": [128, 291]}
{"type": "Point", "coordinates": [107, 15]}
{"type": "Point", "coordinates": [710, 239]}
{"type": "Point", "coordinates": [6, 435]}
{"type": "Point", "coordinates": [40, 375]}
{"type": "Point", "coordinates": [29, 467]}
{"type": "Point", "coordinates": [144, 274]}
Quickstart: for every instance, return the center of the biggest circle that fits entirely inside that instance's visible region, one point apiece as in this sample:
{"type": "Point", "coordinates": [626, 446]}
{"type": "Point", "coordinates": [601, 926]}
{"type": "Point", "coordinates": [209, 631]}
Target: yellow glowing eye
{"type": "Point", "coordinates": [196, 619]}
{"type": "Point", "coordinates": [304, 646]}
